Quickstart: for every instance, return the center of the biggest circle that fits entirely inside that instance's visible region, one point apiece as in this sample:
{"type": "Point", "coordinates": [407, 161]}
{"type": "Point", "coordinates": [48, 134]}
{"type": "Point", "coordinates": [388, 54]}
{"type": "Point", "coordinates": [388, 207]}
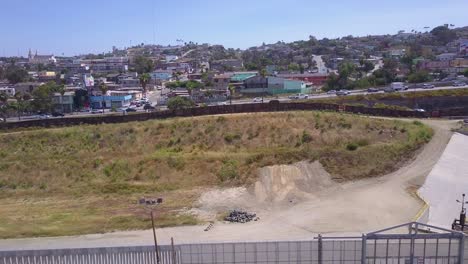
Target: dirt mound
{"type": "Point", "coordinates": [277, 185]}
{"type": "Point", "coordinates": [290, 183]}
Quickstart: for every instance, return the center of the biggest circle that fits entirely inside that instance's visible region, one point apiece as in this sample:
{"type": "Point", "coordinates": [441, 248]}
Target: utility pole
{"type": "Point", "coordinates": [155, 239]}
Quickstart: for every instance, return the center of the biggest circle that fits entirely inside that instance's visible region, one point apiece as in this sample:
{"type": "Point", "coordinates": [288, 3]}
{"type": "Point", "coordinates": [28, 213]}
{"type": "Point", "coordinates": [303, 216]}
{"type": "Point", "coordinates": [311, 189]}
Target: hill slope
{"type": "Point", "coordinates": [88, 179]}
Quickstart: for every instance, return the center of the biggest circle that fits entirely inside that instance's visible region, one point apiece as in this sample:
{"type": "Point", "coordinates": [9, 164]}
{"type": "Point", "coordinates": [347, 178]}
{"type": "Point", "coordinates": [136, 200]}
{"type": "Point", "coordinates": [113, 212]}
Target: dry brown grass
{"type": "Point", "coordinates": [87, 179]}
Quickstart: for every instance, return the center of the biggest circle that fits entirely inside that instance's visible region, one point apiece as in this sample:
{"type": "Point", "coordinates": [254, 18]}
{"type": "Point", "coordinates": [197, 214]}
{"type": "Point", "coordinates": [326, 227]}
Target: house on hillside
{"type": "Point", "coordinates": [227, 65]}
{"type": "Point", "coordinates": [273, 85]}
{"type": "Point", "coordinates": [446, 56]}
{"type": "Point", "coordinates": [164, 75]}
{"type": "Point", "coordinates": [27, 87]}
{"type": "Point", "coordinates": [313, 78]}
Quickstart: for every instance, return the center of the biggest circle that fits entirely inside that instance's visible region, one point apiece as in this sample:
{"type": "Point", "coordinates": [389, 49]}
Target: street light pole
{"type": "Point", "coordinates": [155, 239]}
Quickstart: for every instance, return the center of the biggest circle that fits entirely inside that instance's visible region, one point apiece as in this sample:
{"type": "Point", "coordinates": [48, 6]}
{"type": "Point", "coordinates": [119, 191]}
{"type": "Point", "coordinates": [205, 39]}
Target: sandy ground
{"type": "Point", "coordinates": [446, 183]}
{"type": "Point", "coordinates": [305, 202]}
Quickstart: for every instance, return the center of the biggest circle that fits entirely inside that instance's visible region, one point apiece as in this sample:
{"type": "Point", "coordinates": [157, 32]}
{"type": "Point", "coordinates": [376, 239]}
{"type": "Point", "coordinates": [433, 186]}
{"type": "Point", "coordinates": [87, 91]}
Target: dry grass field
{"type": "Point", "coordinates": [88, 179]}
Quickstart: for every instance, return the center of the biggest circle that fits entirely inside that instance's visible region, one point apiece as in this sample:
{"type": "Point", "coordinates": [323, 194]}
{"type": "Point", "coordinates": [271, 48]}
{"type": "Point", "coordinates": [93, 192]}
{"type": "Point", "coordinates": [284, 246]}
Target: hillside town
{"type": "Point", "coordinates": [147, 77]}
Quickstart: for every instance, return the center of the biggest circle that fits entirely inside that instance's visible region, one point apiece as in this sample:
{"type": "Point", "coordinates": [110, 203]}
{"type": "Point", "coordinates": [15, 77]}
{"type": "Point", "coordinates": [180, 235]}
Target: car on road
{"type": "Point", "coordinates": [130, 110]}
{"type": "Point", "coordinates": [257, 100]}
{"type": "Point", "coordinates": [331, 92]}
{"type": "Point", "coordinates": [298, 96]}
{"type": "Point", "coordinates": [44, 116]}
{"type": "Point", "coordinates": [343, 92]}
{"type": "Point", "coordinates": [57, 114]}
{"type": "Point", "coordinates": [459, 84]}
{"type": "Point", "coordinates": [419, 110]}
{"type": "Point", "coordinates": [428, 86]}
{"type": "Point", "coordinates": [96, 111]}
{"type": "Point", "coordinates": [372, 90]}
{"type": "Point", "coordinates": [148, 107]}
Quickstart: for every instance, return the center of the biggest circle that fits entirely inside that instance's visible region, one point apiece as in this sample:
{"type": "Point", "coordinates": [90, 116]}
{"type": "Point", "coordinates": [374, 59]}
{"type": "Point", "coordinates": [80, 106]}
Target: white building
{"type": "Point", "coordinates": [170, 58]}
{"type": "Point", "coordinates": [446, 56]}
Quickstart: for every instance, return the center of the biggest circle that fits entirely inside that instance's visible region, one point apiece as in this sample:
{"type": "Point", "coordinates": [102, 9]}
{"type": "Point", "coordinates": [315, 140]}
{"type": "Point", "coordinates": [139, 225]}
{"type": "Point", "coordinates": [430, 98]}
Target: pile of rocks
{"type": "Point", "coordinates": [236, 216]}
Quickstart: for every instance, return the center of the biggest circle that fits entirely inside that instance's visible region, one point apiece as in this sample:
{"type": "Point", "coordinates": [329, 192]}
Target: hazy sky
{"type": "Point", "coordinates": [76, 27]}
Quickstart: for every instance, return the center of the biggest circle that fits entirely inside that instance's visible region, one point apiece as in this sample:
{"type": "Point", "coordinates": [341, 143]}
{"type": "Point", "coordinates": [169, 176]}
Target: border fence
{"type": "Point", "coordinates": [274, 106]}
{"type": "Point", "coordinates": [440, 246]}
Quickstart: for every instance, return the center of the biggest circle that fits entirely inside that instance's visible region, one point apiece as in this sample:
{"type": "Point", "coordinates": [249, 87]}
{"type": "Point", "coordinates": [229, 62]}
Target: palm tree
{"type": "Point", "coordinates": [103, 87]}
{"type": "Point", "coordinates": [144, 80]}
{"type": "Point", "coordinates": [21, 102]}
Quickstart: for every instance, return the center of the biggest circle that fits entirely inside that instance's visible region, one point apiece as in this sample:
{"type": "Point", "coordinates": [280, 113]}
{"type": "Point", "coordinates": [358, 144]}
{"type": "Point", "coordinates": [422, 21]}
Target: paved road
{"type": "Point", "coordinates": [354, 92]}
{"type": "Point", "coordinates": [320, 64]}
{"type": "Point", "coordinates": [446, 183]}
{"type": "Point", "coordinates": [156, 95]}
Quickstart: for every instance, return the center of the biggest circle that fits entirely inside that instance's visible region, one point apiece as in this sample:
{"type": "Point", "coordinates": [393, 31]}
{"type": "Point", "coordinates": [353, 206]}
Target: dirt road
{"type": "Point", "coordinates": [349, 208]}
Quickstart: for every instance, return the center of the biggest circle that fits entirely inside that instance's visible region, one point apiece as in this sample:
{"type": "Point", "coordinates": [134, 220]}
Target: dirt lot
{"type": "Point", "coordinates": [296, 212]}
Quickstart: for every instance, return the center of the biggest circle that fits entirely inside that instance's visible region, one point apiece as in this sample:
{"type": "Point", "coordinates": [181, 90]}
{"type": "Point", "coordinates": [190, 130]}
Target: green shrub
{"type": "Point", "coordinates": [362, 142]}
{"type": "Point", "coordinates": [417, 123]}
{"type": "Point", "coordinates": [117, 170]}
{"type": "Point", "coordinates": [230, 137]}
{"type": "Point", "coordinates": [352, 146]}
{"type": "Point", "coordinates": [176, 162]}
{"type": "Point", "coordinates": [306, 137]}
{"type": "Point", "coordinates": [229, 170]}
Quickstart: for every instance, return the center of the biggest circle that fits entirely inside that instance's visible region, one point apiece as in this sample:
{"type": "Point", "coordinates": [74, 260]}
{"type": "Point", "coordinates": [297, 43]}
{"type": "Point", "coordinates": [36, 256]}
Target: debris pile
{"type": "Point", "coordinates": [150, 201]}
{"type": "Point", "coordinates": [236, 216]}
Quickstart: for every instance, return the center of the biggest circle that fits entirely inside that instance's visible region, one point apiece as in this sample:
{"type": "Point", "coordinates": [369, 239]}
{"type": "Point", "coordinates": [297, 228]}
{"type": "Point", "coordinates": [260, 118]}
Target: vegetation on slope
{"type": "Point", "coordinates": [88, 179]}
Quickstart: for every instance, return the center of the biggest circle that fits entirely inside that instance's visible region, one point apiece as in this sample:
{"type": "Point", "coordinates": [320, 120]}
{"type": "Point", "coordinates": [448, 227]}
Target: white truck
{"type": "Point", "coordinates": [397, 86]}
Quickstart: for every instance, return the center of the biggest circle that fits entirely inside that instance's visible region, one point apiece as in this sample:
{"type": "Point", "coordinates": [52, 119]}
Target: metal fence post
{"type": "Point", "coordinates": [461, 250]}
{"type": "Point", "coordinates": [363, 249]}
{"type": "Point", "coordinates": [320, 250]}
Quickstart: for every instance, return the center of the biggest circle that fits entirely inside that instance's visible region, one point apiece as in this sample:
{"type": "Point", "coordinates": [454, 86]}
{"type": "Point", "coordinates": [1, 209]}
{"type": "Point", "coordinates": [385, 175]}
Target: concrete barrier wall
{"type": "Point", "coordinates": [210, 110]}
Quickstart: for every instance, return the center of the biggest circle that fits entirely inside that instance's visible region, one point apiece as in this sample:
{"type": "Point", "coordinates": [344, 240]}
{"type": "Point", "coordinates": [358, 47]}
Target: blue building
{"type": "Point", "coordinates": [161, 75]}
{"type": "Point", "coordinates": [100, 102]}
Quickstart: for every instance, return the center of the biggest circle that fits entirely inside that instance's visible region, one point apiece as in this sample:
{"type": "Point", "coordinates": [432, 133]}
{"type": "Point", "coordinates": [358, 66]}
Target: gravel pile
{"type": "Point", "coordinates": [236, 216]}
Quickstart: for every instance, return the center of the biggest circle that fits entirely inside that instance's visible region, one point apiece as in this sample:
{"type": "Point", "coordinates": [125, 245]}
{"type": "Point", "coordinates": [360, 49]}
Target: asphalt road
{"type": "Point", "coordinates": [154, 97]}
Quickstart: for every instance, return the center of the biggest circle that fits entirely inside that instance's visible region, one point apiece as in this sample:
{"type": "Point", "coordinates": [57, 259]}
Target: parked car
{"type": "Point", "coordinates": [257, 100]}
{"type": "Point", "coordinates": [130, 110]}
{"type": "Point", "coordinates": [331, 92]}
{"type": "Point", "coordinates": [342, 92]}
{"type": "Point", "coordinates": [57, 114]}
{"type": "Point", "coordinates": [428, 86]}
{"type": "Point", "coordinates": [148, 107]}
{"type": "Point", "coordinates": [372, 90]}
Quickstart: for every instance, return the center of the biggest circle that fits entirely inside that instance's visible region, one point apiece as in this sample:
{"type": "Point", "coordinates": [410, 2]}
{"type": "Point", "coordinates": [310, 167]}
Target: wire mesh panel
{"type": "Point", "coordinates": [341, 251]}
{"type": "Point", "coordinates": [300, 252]}
{"type": "Point", "coordinates": [413, 251]}
{"type": "Point", "coordinates": [122, 255]}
